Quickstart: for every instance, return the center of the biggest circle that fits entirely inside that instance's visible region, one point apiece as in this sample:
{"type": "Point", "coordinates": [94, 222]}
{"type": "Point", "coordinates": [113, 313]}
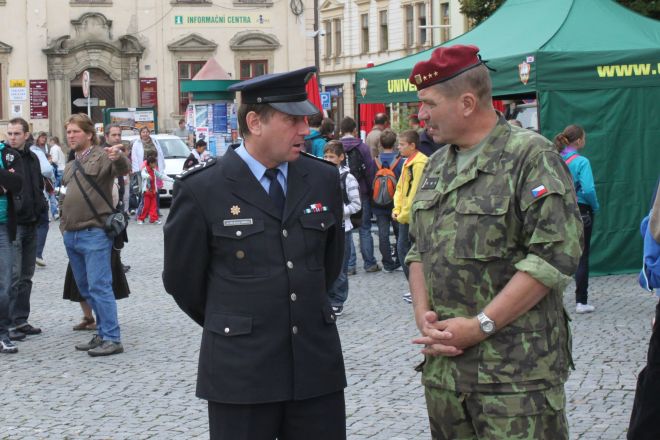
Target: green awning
{"type": "Point", "coordinates": [209, 90]}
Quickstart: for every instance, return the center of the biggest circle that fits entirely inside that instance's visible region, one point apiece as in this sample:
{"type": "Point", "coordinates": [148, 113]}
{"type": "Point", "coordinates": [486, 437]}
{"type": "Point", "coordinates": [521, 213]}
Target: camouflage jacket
{"type": "Point", "coordinates": [512, 209]}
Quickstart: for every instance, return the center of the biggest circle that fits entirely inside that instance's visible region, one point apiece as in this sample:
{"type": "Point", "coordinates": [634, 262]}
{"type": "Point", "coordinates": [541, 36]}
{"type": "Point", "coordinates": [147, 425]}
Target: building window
{"type": "Point", "coordinates": [444, 20]}
{"type": "Point", "coordinates": [364, 23]}
{"type": "Point", "coordinates": [421, 20]}
{"type": "Point", "coordinates": [337, 24]}
{"type": "Point", "coordinates": [327, 26]}
{"type": "Point", "coordinates": [187, 70]}
{"type": "Point", "coordinates": [410, 25]}
{"type": "Point", "coordinates": [252, 68]}
{"type": "Point", "coordinates": [384, 37]}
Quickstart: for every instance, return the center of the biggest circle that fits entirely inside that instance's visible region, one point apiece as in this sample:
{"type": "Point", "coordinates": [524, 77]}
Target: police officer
{"type": "Point", "coordinates": [497, 236]}
{"type": "Point", "coordinates": [252, 242]}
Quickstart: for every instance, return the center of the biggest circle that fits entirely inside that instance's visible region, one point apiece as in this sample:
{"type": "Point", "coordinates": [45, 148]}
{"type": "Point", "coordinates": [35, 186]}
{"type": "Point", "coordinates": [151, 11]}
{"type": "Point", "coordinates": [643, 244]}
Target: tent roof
{"type": "Point", "coordinates": [564, 41]}
{"type": "Point", "coordinates": [211, 70]}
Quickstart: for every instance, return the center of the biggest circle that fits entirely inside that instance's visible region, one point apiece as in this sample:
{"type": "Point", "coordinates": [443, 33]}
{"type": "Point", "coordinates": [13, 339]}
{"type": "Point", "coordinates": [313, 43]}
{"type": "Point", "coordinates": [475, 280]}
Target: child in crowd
{"type": "Point", "coordinates": [149, 175]}
{"type": "Point", "coordinates": [333, 152]}
{"type": "Point", "coordinates": [406, 188]}
{"type": "Point", "coordinates": [389, 159]}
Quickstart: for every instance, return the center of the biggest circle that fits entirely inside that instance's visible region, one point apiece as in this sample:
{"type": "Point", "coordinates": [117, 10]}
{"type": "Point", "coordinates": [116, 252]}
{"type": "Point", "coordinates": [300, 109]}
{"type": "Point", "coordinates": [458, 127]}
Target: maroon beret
{"type": "Point", "coordinates": [445, 63]}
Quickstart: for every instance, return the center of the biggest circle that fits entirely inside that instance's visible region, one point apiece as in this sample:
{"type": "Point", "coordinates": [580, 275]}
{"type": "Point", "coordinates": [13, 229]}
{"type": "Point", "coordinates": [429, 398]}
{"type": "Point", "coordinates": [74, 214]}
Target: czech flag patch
{"type": "Point", "coordinates": [539, 191]}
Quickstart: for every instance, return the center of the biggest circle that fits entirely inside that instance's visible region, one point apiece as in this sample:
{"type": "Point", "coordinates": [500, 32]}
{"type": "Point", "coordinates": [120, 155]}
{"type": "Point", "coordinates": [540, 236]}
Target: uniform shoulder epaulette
{"type": "Point", "coordinates": [197, 168]}
{"type": "Point", "coordinates": [320, 159]}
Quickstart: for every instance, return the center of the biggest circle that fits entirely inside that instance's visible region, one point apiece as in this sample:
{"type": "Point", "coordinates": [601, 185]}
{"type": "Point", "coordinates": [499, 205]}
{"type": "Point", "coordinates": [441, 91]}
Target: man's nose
{"type": "Point", "coordinates": [422, 113]}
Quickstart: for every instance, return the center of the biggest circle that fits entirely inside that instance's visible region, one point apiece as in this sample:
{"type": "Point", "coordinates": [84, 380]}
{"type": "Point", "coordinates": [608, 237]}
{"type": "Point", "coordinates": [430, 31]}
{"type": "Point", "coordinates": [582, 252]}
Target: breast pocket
{"type": "Point", "coordinates": [481, 228]}
{"type": "Point", "coordinates": [241, 249]}
{"type": "Point", "coordinates": [424, 218]}
{"type": "Point", "coordinates": [315, 232]}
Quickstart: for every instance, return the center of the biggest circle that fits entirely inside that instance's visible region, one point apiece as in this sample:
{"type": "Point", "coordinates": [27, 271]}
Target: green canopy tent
{"type": "Point", "coordinates": [589, 62]}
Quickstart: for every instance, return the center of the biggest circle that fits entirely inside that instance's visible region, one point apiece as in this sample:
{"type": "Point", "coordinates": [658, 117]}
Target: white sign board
{"type": "Point", "coordinates": [18, 93]}
{"type": "Point", "coordinates": [85, 83]}
{"type": "Point", "coordinates": [144, 116]}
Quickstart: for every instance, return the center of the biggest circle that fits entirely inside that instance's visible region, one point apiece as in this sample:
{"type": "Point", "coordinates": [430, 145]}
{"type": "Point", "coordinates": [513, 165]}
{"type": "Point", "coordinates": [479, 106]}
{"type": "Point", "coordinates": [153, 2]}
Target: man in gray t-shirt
{"type": "Point", "coordinates": [182, 131]}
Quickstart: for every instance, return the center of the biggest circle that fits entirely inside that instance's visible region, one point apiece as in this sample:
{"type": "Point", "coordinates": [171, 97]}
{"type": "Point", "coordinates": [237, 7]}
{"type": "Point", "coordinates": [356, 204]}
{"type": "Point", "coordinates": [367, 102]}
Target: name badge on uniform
{"type": "Point", "coordinates": [238, 222]}
{"type": "Point", "coordinates": [430, 182]}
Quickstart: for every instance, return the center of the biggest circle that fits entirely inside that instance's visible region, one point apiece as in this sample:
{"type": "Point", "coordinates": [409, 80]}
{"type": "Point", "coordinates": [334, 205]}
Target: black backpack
{"type": "Point", "coordinates": [356, 164]}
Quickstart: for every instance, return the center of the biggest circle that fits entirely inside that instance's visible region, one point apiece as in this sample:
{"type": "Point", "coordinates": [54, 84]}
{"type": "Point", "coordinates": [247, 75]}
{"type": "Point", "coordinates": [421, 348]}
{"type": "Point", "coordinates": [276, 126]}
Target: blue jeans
{"type": "Point", "coordinates": [384, 221]}
{"type": "Point", "coordinates": [24, 258]}
{"type": "Point", "coordinates": [54, 208]}
{"type": "Point", "coordinates": [42, 232]}
{"type": "Point", "coordinates": [352, 258]}
{"type": "Point", "coordinates": [89, 255]}
{"type": "Point", "coordinates": [366, 240]}
{"type": "Point", "coordinates": [6, 250]}
{"type": "Point", "coordinates": [403, 246]}
{"type": "Point", "coordinates": [338, 291]}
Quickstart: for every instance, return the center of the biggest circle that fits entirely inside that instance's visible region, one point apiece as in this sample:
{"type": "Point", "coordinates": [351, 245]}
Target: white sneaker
{"type": "Point", "coordinates": [40, 262]}
{"type": "Point", "coordinates": [407, 297]}
{"type": "Point", "coordinates": [584, 308]}
{"type": "Point", "coordinates": [140, 222]}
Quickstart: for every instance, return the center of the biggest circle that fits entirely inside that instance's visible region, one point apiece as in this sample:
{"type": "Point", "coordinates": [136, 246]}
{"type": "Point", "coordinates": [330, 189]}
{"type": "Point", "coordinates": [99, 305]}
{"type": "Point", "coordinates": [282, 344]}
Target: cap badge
{"type": "Point", "coordinates": [418, 79]}
{"type": "Point", "coordinates": [235, 210]}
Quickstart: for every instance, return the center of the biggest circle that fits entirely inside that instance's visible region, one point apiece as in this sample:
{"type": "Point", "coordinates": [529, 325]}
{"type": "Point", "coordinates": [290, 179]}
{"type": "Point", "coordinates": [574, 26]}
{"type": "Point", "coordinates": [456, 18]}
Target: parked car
{"type": "Point", "coordinates": [175, 152]}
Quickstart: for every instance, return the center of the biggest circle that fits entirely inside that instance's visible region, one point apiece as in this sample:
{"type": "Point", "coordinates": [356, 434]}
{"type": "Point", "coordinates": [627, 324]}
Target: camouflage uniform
{"type": "Point", "coordinates": [512, 209]}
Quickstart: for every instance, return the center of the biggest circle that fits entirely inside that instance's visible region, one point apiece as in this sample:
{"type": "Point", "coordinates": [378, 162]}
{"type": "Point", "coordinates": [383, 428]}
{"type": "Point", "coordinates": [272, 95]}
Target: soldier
{"type": "Point", "coordinates": [497, 235]}
{"type": "Point", "coordinates": [252, 243]}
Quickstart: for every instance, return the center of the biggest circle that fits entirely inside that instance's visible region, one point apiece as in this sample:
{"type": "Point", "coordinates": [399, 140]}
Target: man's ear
{"type": "Point", "coordinates": [253, 122]}
{"type": "Point", "coordinates": [468, 103]}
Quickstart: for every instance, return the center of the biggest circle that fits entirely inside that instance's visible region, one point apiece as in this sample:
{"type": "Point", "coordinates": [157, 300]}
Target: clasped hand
{"type": "Point", "coordinates": [449, 337]}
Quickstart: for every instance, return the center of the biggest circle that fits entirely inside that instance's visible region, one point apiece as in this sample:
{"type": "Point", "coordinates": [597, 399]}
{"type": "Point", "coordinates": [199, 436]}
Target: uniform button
{"type": "Point", "coordinates": [289, 264]}
{"type": "Point", "coordinates": [294, 296]}
{"type": "Point", "coordinates": [294, 329]}
{"type": "Point", "coordinates": [285, 233]}
{"type": "Point", "coordinates": [240, 255]}
{"type": "Point", "coordinates": [239, 233]}
{"type": "Point", "coordinates": [226, 330]}
{"type": "Point", "coordinates": [322, 225]}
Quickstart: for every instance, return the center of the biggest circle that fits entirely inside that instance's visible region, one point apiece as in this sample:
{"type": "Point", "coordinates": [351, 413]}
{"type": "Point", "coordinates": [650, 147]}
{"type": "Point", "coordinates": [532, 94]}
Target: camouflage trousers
{"type": "Point", "coordinates": [532, 415]}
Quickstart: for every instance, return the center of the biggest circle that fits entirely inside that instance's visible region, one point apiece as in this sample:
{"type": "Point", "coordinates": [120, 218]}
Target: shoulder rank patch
{"type": "Point", "coordinates": [311, 156]}
{"type": "Point", "coordinates": [199, 167]}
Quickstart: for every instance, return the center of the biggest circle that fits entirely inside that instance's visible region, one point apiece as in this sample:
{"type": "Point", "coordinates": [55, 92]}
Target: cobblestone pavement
{"type": "Point", "coordinates": [50, 391]}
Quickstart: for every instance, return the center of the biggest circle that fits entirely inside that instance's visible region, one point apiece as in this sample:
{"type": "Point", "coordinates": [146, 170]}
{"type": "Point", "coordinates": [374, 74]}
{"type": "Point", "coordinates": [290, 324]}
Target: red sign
{"type": "Point", "coordinates": [148, 92]}
{"type": "Point", "coordinates": [39, 99]}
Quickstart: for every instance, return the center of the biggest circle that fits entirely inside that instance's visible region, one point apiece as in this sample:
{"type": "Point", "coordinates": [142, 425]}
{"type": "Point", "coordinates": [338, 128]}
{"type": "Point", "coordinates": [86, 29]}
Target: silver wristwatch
{"type": "Point", "coordinates": [486, 324]}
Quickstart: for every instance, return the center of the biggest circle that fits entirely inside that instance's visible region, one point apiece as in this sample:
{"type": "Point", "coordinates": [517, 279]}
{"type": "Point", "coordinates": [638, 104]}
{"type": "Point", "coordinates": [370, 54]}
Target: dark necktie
{"type": "Point", "coordinates": [275, 192]}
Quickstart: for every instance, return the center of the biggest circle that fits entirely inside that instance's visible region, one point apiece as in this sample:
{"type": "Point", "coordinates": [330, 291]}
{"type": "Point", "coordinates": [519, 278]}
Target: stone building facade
{"type": "Point", "coordinates": [138, 52]}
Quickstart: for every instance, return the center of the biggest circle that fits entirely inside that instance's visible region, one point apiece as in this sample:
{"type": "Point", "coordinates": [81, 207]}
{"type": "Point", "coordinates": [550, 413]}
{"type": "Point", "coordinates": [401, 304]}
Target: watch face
{"type": "Point", "coordinates": [487, 327]}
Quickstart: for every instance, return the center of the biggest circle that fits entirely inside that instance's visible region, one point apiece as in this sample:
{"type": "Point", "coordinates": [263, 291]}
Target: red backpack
{"type": "Point", "coordinates": [384, 185]}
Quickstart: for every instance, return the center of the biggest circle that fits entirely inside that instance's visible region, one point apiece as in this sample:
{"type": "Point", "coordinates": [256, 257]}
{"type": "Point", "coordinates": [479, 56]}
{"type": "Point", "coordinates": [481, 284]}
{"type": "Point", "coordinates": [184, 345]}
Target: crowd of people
{"type": "Point", "coordinates": [100, 177]}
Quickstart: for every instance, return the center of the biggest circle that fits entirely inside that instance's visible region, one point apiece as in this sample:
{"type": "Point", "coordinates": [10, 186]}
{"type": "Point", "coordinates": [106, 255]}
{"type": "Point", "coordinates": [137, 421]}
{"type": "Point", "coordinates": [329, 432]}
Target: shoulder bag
{"type": "Point", "coordinates": [116, 222]}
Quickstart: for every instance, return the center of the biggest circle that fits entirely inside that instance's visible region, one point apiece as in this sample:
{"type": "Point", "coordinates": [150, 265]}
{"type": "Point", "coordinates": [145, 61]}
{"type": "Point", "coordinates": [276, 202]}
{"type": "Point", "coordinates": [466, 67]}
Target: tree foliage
{"type": "Point", "coordinates": [478, 10]}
